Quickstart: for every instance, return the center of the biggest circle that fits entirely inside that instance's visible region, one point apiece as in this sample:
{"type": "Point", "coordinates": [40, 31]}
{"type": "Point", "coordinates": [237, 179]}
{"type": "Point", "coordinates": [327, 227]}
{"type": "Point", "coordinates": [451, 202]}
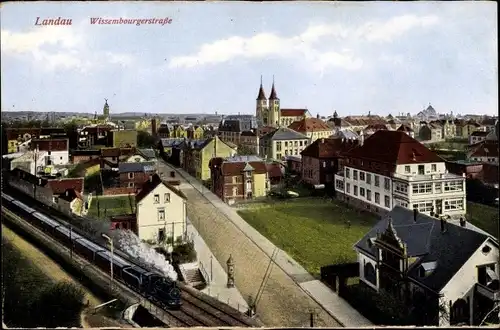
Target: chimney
{"type": "Point", "coordinates": [415, 214]}
{"type": "Point", "coordinates": [361, 138]}
{"type": "Point", "coordinates": [463, 222]}
{"type": "Point", "coordinates": [150, 178]}
{"type": "Point", "coordinates": [317, 116]}
{"type": "Point", "coordinates": [443, 225]}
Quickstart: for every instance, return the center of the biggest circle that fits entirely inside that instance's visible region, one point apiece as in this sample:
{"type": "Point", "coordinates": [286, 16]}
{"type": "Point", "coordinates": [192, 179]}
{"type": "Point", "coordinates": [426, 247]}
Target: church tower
{"type": "Point", "coordinates": [262, 110]}
{"type": "Point", "coordinates": [274, 108]}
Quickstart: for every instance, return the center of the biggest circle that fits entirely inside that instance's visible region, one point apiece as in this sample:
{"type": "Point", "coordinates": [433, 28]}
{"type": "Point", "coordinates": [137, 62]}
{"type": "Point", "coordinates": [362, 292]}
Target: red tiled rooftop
{"type": "Point", "coordinates": [59, 186]}
{"type": "Point", "coordinates": [293, 112]}
{"type": "Point", "coordinates": [328, 148]}
{"type": "Point", "coordinates": [236, 168]}
{"type": "Point", "coordinates": [393, 147]}
{"type": "Point", "coordinates": [309, 125]}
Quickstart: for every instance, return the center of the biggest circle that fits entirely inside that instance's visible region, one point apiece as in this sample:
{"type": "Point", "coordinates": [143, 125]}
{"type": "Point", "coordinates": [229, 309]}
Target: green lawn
{"type": "Point", "coordinates": [314, 232]}
{"type": "Point", "coordinates": [104, 207]}
{"type": "Point", "coordinates": [483, 216]}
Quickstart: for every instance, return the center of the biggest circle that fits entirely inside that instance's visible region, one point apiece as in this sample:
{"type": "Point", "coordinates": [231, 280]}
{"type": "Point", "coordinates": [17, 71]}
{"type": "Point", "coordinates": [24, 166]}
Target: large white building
{"type": "Point", "coordinates": [390, 168]}
{"type": "Point", "coordinates": [57, 150]}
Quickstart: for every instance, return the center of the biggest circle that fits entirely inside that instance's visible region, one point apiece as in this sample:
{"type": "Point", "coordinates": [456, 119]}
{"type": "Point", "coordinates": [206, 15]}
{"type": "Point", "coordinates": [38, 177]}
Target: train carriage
{"type": "Point", "coordinates": [85, 248]}
{"type": "Point", "coordinates": [103, 260]}
{"type": "Point", "coordinates": [133, 277]}
{"type": "Point", "coordinates": [151, 284]}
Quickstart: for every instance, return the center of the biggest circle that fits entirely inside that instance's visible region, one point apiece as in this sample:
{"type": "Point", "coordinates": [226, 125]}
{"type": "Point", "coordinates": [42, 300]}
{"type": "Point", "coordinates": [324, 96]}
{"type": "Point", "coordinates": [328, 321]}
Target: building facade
{"type": "Point", "coordinates": [134, 174]}
{"type": "Point", "coordinates": [239, 178]}
{"type": "Point", "coordinates": [57, 150]}
{"type": "Point", "coordinates": [321, 160]}
{"type": "Point", "coordinates": [160, 212]}
{"type": "Point", "coordinates": [282, 142]}
{"type": "Point", "coordinates": [390, 168]}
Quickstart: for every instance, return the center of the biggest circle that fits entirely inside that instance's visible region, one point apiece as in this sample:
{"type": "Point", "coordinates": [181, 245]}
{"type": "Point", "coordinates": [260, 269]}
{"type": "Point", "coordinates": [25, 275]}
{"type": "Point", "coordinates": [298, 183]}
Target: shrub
{"type": "Point", "coordinates": [184, 253]}
{"type": "Point", "coordinates": [59, 306]}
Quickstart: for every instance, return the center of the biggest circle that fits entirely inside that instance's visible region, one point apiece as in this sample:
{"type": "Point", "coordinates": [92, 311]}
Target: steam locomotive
{"type": "Point", "coordinates": [149, 284]}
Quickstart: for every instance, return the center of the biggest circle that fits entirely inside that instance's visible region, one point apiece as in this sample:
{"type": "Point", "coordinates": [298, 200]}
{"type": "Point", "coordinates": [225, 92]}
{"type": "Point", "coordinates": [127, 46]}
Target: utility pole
{"type": "Point", "coordinates": [110, 241]}
{"type": "Point", "coordinates": [70, 241]}
{"type": "Point", "coordinates": [211, 268]}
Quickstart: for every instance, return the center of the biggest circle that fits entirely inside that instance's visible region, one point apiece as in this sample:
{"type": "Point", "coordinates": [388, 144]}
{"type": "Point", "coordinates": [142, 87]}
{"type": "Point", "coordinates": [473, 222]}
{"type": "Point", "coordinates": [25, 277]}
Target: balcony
{"type": "Point", "coordinates": [491, 294]}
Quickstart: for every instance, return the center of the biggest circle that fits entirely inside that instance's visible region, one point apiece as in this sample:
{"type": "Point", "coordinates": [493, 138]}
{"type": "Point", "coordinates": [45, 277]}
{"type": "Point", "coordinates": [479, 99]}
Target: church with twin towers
{"type": "Point", "coordinates": [269, 112]}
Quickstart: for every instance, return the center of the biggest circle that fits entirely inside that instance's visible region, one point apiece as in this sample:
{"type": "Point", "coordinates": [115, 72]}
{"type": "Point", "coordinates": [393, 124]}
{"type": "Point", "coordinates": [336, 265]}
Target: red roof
{"type": "Point", "coordinates": [70, 194]}
{"type": "Point", "coordinates": [328, 148]}
{"type": "Point", "coordinates": [393, 148]}
{"type": "Point", "coordinates": [485, 149]}
{"type": "Point", "coordinates": [405, 128]}
{"type": "Point", "coordinates": [59, 186]}
{"type": "Point", "coordinates": [376, 127]}
{"type": "Point", "coordinates": [293, 112]}
{"type": "Point", "coordinates": [50, 144]}
{"type": "Point", "coordinates": [110, 152]}
{"type": "Point", "coordinates": [264, 130]}
{"type": "Point", "coordinates": [236, 168]}
{"type": "Point", "coordinates": [309, 125]}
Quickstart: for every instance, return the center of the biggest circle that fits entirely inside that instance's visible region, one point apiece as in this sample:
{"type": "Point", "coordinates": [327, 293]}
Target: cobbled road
{"type": "Point", "coordinates": [283, 302]}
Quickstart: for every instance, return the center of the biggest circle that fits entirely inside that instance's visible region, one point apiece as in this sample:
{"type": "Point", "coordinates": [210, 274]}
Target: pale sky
{"type": "Point", "coordinates": [383, 57]}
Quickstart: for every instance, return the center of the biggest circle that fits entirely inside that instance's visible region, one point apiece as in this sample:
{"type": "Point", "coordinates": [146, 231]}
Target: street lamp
{"type": "Point", "coordinates": [110, 241]}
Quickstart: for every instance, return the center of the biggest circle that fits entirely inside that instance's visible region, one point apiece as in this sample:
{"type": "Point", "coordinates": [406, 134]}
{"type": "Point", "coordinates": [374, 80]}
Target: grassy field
{"type": "Point", "coordinates": [314, 232]}
{"type": "Point", "coordinates": [104, 207]}
{"type": "Point", "coordinates": [483, 216]}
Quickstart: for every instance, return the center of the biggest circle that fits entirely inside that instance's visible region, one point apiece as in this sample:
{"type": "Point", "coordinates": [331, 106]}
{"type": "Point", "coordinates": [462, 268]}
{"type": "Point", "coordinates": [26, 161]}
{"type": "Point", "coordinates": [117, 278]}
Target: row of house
{"type": "Point", "coordinates": [160, 207]}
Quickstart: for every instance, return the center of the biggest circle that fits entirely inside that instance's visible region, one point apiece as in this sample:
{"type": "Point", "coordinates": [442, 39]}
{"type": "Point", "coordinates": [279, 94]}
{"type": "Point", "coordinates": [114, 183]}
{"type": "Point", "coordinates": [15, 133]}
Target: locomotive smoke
{"type": "Point", "coordinates": [131, 244]}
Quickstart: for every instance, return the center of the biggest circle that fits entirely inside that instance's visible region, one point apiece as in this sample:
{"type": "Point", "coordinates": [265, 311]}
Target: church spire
{"type": "Point", "coordinates": [273, 95]}
{"type": "Point", "coordinates": [262, 94]}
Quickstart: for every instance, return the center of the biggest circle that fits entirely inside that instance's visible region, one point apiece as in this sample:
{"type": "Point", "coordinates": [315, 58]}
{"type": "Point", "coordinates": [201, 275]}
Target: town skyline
{"type": "Point", "coordinates": [382, 58]}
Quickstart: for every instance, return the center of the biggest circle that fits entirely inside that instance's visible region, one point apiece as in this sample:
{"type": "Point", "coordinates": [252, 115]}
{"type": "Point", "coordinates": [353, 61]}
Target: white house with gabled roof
{"type": "Point", "coordinates": [160, 212]}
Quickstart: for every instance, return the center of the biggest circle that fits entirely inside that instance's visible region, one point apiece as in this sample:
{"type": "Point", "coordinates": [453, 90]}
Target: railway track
{"type": "Point", "coordinates": [198, 309]}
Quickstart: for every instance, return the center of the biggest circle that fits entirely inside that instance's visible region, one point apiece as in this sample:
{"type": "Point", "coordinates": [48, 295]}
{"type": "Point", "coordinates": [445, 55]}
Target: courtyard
{"type": "Point", "coordinates": [103, 207]}
{"type": "Point", "coordinates": [314, 231]}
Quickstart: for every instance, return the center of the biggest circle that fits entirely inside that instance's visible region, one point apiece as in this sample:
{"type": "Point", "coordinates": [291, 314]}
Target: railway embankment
{"type": "Point", "coordinates": [77, 267]}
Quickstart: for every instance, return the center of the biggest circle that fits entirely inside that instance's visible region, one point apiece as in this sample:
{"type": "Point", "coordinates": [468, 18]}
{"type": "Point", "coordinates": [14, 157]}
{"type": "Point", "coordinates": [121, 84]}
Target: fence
{"type": "Point", "coordinates": [204, 273]}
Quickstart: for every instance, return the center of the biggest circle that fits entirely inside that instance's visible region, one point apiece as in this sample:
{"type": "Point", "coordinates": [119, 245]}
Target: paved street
{"type": "Point", "coordinates": [283, 302]}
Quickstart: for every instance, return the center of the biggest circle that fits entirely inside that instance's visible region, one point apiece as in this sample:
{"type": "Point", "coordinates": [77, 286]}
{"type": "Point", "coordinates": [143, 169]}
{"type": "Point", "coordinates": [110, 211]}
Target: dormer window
{"type": "Point", "coordinates": [427, 268]}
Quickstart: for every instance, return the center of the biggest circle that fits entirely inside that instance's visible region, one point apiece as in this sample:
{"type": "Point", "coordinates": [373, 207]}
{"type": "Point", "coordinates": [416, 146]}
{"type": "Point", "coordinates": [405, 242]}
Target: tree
{"type": "Point", "coordinates": [145, 140]}
{"type": "Point", "coordinates": [245, 150]}
{"type": "Point", "coordinates": [59, 306]}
